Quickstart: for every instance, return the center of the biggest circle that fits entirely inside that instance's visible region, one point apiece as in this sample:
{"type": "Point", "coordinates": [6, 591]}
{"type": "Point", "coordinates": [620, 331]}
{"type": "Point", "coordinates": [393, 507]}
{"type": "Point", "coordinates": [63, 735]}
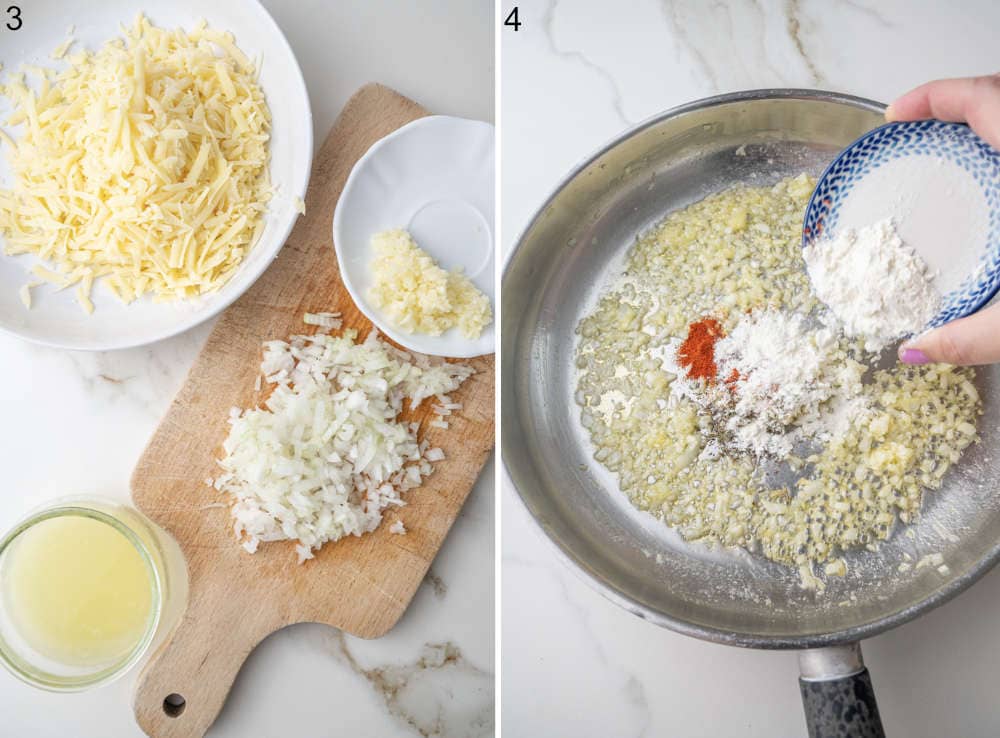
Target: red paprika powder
{"type": "Point", "coordinates": [697, 353]}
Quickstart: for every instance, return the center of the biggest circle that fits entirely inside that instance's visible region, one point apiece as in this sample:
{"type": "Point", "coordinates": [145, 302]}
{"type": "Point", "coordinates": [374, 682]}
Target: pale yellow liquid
{"type": "Point", "coordinates": [77, 591]}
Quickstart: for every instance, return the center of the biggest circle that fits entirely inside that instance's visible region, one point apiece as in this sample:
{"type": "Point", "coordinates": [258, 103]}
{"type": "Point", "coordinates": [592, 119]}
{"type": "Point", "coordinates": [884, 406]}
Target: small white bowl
{"type": "Point", "coordinates": [55, 318]}
{"type": "Point", "coordinates": [433, 177]}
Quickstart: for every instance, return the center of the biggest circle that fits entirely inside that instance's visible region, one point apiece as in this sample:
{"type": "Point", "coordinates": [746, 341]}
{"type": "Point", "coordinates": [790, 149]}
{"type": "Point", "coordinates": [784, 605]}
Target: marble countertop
{"type": "Point", "coordinates": [76, 423]}
{"type": "Point", "coordinates": [575, 75]}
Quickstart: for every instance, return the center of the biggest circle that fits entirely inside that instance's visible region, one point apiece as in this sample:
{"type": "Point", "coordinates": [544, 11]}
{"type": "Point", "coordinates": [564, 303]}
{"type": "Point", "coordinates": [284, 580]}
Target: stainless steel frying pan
{"type": "Point", "coordinates": [560, 264]}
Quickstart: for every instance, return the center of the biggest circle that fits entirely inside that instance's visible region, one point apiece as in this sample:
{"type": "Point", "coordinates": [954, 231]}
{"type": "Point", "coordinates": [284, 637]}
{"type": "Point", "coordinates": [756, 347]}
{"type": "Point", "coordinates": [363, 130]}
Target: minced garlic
{"type": "Point", "coordinates": [417, 295]}
{"type": "Point", "coordinates": [143, 166]}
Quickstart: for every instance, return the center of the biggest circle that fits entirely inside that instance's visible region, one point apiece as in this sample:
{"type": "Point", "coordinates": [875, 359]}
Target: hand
{"type": "Point", "coordinates": [976, 101]}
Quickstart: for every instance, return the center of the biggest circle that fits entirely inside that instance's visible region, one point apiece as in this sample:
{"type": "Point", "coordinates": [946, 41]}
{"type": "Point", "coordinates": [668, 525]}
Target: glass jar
{"type": "Point", "coordinates": [87, 585]}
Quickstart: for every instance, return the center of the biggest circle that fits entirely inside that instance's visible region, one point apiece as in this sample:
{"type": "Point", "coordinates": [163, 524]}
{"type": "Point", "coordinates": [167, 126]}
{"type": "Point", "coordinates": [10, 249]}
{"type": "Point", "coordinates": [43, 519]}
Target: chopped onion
{"type": "Point", "coordinates": [325, 454]}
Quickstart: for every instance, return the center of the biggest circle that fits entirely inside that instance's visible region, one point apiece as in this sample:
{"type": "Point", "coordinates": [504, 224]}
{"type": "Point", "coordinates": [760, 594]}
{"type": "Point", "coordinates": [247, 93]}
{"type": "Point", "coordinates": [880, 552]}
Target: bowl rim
{"type": "Point", "coordinates": [950, 589]}
{"type": "Point", "coordinates": [295, 189]}
{"type": "Point", "coordinates": [402, 338]}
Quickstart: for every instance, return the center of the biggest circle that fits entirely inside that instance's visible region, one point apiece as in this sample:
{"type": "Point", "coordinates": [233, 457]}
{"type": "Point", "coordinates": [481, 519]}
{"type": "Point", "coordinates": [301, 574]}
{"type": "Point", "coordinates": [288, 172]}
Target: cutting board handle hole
{"type": "Point", "coordinates": [174, 705]}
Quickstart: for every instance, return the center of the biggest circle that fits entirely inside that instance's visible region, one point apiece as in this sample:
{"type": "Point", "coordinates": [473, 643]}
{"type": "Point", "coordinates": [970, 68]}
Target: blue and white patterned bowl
{"type": "Point", "coordinates": [940, 183]}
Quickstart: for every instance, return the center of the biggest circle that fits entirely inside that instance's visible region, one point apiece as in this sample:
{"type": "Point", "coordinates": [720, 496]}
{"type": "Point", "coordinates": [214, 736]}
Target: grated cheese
{"type": "Point", "coordinates": [64, 47]}
{"type": "Point", "coordinates": [418, 296]}
{"type": "Point", "coordinates": [143, 166]}
{"type": "Point", "coordinates": [25, 293]}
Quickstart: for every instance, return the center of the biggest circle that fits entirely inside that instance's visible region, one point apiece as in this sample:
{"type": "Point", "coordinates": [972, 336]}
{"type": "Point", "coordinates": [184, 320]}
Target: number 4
{"type": "Point", "coordinates": [512, 20]}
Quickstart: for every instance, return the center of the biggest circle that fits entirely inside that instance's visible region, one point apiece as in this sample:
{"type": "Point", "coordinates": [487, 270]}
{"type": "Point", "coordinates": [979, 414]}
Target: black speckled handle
{"type": "Point", "coordinates": [841, 708]}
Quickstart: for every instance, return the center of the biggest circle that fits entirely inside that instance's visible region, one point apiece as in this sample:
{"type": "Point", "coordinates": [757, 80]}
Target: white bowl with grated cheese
{"type": "Point", "coordinates": [55, 317]}
{"type": "Point", "coordinates": [433, 178]}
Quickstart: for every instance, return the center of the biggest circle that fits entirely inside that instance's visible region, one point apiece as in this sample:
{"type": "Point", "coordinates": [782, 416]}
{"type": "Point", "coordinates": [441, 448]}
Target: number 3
{"type": "Point", "coordinates": [15, 18]}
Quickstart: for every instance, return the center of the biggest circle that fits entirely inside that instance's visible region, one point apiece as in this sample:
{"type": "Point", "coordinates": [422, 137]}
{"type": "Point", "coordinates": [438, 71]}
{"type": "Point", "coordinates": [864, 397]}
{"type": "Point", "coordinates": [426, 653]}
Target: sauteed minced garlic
{"type": "Point", "coordinates": [726, 256]}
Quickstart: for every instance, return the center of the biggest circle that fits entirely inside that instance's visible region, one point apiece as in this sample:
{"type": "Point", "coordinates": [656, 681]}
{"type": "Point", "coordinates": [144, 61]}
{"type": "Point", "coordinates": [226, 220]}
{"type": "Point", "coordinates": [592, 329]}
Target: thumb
{"type": "Point", "coordinates": [966, 342]}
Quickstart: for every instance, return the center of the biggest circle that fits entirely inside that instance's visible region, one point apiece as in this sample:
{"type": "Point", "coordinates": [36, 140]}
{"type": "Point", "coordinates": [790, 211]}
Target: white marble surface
{"type": "Point", "coordinates": [77, 423]}
{"type": "Point", "coordinates": [577, 73]}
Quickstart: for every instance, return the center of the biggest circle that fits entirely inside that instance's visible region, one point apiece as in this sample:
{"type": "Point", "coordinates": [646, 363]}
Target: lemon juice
{"type": "Point", "coordinates": [77, 590]}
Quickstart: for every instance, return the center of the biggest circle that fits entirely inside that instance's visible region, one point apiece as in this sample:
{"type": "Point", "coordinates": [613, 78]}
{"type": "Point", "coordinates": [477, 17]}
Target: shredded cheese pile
{"type": "Point", "coordinates": [418, 296]}
{"type": "Point", "coordinates": [327, 453]}
{"type": "Point", "coordinates": [143, 165]}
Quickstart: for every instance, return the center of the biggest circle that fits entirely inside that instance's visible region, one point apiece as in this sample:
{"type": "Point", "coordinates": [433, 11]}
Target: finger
{"type": "Point", "coordinates": [945, 99]}
{"type": "Point", "coordinates": [973, 100]}
{"type": "Point", "coordinates": [966, 342]}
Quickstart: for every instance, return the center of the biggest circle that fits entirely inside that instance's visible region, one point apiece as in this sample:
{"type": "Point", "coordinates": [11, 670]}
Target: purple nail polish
{"type": "Point", "coordinates": [913, 356]}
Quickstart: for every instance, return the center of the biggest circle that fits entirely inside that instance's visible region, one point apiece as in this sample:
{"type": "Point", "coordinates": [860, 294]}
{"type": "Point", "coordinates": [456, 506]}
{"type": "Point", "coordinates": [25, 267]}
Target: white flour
{"type": "Point", "coordinates": [789, 384]}
{"type": "Point", "coordinates": [792, 386]}
{"type": "Point", "coordinates": [877, 287]}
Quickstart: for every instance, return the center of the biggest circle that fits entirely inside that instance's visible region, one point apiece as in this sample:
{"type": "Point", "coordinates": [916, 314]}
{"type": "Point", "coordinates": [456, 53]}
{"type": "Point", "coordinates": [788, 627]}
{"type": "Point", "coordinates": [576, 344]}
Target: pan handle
{"type": "Point", "coordinates": [837, 693]}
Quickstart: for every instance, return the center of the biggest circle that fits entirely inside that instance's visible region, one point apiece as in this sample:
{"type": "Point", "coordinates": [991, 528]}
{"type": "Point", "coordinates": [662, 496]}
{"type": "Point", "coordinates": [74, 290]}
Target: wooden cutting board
{"type": "Point", "coordinates": [361, 585]}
